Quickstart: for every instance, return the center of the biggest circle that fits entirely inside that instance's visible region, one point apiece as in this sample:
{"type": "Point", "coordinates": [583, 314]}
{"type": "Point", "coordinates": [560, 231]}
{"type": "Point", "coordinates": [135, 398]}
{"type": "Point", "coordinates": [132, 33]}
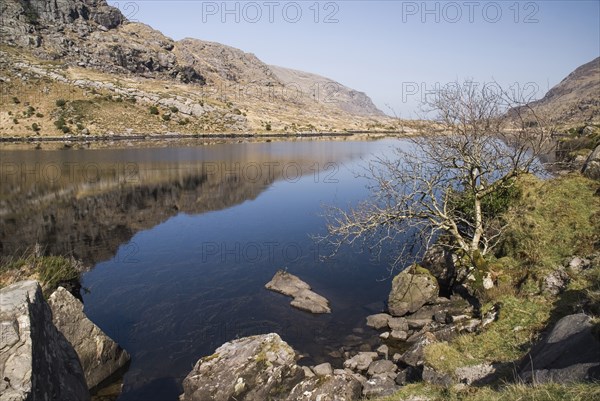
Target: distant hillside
{"type": "Point", "coordinates": [326, 90]}
{"type": "Point", "coordinates": [576, 99]}
{"type": "Point", "coordinates": [88, 54]}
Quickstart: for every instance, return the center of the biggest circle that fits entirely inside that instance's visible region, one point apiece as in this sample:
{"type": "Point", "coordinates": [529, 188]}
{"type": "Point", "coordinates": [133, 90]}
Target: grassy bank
{"type": "Point", "coordinates": [50, 271]}
{"type": "Point", "coordinates": [551, 221]}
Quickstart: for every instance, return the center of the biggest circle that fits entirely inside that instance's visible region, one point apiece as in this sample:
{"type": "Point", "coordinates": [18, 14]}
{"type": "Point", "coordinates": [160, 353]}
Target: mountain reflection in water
{"type": "Point", "coordinates": [181, 242]}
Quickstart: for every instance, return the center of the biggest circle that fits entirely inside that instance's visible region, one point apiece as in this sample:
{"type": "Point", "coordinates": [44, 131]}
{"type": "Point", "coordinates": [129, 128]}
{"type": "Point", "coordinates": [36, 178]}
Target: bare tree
{"type": "Point", "coordinates": [438, 182]}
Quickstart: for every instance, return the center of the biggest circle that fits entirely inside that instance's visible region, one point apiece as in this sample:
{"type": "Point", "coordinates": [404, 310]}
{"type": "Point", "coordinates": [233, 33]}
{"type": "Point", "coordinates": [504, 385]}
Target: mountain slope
{"type": "Point", "coordinates": [576, 99]}
{"type": "Point", "coordinates": [327, 90]}
{"type": "Point", "coordinates": [110, 66]}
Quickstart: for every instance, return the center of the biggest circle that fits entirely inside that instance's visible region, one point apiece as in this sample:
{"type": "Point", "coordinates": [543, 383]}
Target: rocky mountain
{"type": "Point", "coordinates": [89, 50]}
{"type": "Point", "coordinates": [327, 90]}
{"type": "Point", "coordinates": [576, 99]}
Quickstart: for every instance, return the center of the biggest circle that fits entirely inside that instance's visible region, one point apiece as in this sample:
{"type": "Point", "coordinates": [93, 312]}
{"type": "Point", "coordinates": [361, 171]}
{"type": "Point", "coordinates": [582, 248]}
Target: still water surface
{"type": "Point", "coordinates": [180, 242]}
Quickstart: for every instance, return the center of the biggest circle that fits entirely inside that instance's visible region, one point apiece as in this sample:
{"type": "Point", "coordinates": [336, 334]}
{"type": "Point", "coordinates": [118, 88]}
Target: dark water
{"type": "Point", "coordinates": [181, 242]}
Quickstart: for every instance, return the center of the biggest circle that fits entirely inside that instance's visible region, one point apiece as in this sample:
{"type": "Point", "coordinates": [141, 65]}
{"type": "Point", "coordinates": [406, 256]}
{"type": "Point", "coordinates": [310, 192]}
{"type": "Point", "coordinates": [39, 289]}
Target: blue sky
{"type": "Point", "coordinates": [395, 51]}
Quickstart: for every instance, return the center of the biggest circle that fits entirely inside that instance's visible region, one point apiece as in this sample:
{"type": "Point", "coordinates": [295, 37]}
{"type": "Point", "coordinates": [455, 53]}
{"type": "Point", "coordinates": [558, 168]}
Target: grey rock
{"type": "Point", "coordinates": [569, 353]}
{"type": "Point", "coordinates": [414, 355]}
{"type": "Point", "coordinates": [323, 369]}
{"type": "Point", "coordinates": [555, 282]}
{"type": "Point", "coordinates": [479, 374]}
{"type": "Point", "coordinates": [253, 368]}
{"type": "Point", "coordinates": [439, 261]}
{"type": "Point", "coordinates": [470, 326]}
{"type": "Point", "coordinates": [591, 168]}
{"type": "Point", "coordinates": [379, 386]}
{"type": "Point", "coordinates": [378, 321]}
{"type": "Point", "coordinates": [577, 264]}
{"type": "Point", "coordinates": [361, 361]}
{"type": "Point", "coordinates": [304, 299]}
{"type": "Point", "coordinates": [308, 371]}
{"type": "Point", "coordinates": [417, 323]}
{"type": "Point", "coordinates": [383, 350]}
{"type": "Point", "coordinates": [437, 378]}
{"type": "Point", "coordinates": [401, 378]}
{"type": "Point", "coordinates": [381, 366]}
{"type": "Point", "coordinates": [411, 289]}
{"type": "Point", "coordinates": [36, 361]}
{"type": "Point", "coordinates": [100, 356]}
{"type": "Point", "coordinates": [398, 335]}
{"type": "Point", "coordinates": [398, 323]}
{"type": "Point", "coordinates": [342, 386]}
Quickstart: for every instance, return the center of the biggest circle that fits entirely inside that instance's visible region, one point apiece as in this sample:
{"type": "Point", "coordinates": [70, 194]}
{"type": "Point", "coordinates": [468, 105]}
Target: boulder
{"type": "Point", "coordinates": [100, 356]}
{"type": "Point", "coordinates": [323, 369]}
{"type": "Point", "coordinates": [569, 353]}
{"type": "Point", "coordinates": [361, 361]}
{"type": "Point", "coordinates": [398, 323]}
{"type": "Point", "coordinates": [304, 299]}
{"type": "Point", "coordinates": [414, 356]}
{"type": "Point", "coordinates": [411, 289]}
{"type": "Point", "coordinates": [439, 261]}
{"type": "Point", "coordinates": [591, 168]}
{"type": "Point", "coordinates": [555, 282]}
{"type": "Point", "coordinates": [253, 368]}
{"type": "Point", "coordinates": [379, 386]}
{"type": "Point", "coordinates": [436, 378]}
{"type": "Point", "coordinates": [342, 386]}
{"type": "Point", "coordinates": [381, 366]}
{"type": "Point", "coordinates": [36, 361]}
{"type": "Point", "coordinates": [378, 321]}
{"type": "Point", "coordinates": [477, 374]}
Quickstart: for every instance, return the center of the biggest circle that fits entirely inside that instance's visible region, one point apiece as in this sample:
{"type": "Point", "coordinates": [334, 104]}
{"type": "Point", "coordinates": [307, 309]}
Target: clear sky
{"type": "Point", "coordinates": [395, 51]}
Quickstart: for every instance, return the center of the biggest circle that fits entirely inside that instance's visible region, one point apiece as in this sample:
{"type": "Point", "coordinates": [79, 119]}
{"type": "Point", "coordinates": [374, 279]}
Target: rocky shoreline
{"type": "Point", "coordinates": [265, 367]}
{"type": "Point", "coordinates": [50, 350]}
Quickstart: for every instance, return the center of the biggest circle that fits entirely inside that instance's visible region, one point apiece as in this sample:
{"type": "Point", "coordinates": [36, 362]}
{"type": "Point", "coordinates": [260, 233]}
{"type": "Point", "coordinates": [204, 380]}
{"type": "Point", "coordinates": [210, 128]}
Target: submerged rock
{"type": "Point", "coordinates": [36, 361]}
{"type": "Point", "coordinates": [411, 289]}
{"type": "Point", "coordinates": [100, 356]}
{"type": "Point", "coordinates": [304, 298]}
{"type": "Point", "coordinates": [253, 368]}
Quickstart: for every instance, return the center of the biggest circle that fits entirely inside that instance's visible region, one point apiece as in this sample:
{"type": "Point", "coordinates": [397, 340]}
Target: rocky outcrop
{"type": "Point", "coordinates": [304, 298]}
{"type": "Point", "coordinates": [569, 353]}
{"type": "Point", "coordinates": [36, 361]}
{"type": "Point", "coordinates": [411, 289]}
{"type": "Point", "coordinates": [591, 168]}
{"type": "Point", "coordinates": [249, 369]}
{"type": "Point", "coordinates": [100, 356]}
{"type": "Point", "coordinates": [342, 386]}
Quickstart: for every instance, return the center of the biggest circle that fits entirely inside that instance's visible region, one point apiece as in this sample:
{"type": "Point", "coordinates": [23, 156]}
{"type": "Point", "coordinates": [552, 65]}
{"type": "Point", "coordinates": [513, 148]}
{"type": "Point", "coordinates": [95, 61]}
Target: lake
{"type": "Point", "coordinates": [180, 241]}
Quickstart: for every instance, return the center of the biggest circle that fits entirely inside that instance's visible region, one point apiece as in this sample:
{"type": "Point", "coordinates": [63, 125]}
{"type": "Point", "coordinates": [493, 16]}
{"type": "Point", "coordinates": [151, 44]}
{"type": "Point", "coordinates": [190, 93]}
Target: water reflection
{"type": "Point", "coordinates": [87, 203]}
{"type": "Point", "coordinates": [183, 240]}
